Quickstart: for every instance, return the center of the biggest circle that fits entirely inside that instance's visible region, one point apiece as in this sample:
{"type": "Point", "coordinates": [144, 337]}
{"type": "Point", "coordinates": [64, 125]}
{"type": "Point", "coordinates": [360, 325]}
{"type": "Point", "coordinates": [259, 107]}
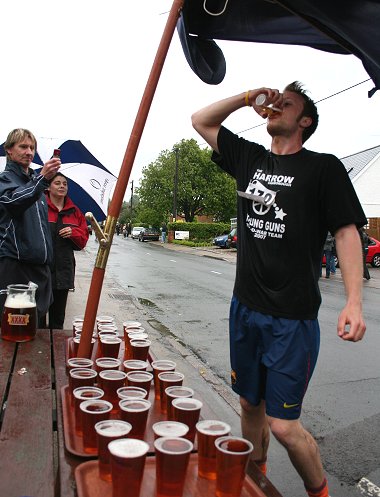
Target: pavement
{"type": "Point", "coordinates": [118, 302]}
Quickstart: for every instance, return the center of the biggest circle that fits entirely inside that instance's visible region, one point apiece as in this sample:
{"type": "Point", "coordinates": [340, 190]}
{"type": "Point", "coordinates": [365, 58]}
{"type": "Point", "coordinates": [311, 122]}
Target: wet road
{"type": "Point", "coordinates": [188, 296]}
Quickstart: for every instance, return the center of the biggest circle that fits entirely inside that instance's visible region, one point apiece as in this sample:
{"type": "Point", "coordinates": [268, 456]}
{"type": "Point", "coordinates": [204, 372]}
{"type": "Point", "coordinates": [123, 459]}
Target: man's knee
{"type": "Point", "coordinates": [250, 409]}
{"type": "Point", "coordinates": [284, 430]}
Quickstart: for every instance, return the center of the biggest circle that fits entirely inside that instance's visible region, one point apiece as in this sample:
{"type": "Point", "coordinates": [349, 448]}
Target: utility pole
{"type": "Point", "coordinates": [176, 150]}
{"type": "Point", "coordinates": [131, 200]}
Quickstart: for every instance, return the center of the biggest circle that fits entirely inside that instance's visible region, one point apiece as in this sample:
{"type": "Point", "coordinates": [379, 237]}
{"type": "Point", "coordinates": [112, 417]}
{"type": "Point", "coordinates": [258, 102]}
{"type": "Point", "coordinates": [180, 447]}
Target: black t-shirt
{"type": "Point", "coordinates": [286, 206]}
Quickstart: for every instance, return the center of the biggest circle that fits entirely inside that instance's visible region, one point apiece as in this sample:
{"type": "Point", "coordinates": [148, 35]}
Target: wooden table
{"type": "Point", "coordinates": [33, 458]}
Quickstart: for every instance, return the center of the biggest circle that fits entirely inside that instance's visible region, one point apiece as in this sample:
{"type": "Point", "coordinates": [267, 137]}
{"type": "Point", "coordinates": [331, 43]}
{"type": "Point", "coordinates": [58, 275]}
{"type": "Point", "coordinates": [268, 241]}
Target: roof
{"type": "Point", "coordinates": [356, 162]}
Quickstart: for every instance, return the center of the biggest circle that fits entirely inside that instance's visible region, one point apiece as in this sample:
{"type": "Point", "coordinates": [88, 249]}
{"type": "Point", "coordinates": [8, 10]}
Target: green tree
{"type": "Point", "coordinates": [202, 187]}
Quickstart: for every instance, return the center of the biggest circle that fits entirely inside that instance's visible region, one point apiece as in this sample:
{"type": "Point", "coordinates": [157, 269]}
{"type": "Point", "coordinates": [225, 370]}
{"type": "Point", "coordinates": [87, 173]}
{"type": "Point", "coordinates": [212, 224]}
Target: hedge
{"type": "Point", "coordinates": [201, 232]}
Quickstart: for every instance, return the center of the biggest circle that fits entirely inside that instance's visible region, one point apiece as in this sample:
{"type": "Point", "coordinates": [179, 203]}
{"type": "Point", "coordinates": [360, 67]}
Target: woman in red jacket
{"type": "Point", "coordinates": [69, 232]}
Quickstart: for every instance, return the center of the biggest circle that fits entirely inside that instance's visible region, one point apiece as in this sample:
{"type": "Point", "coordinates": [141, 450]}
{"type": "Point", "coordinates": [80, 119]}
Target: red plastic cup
{"type": "Point", "coordinates": [232, 456]}
{"type": "Point", "coordinates": [172, 460]}
{"type": "Point", "coordinates": [135, 412]}
{"type": "Point", "coordinates": [208, 430]}
{"type": "Point", "coordinates": [161, 366]}
{"type": "Point", "coordinates": [80, 395]}
{"type": "Point", "coordinates": [93, 411]}
{"type": "Point", "coordinates": [175, 393]}
{"type": "Point", "coordinates": [127, 466]}
{"type": "Point", "coordinates": [107, 431]}
{"type": "Point", "coordinates": [168, 379]}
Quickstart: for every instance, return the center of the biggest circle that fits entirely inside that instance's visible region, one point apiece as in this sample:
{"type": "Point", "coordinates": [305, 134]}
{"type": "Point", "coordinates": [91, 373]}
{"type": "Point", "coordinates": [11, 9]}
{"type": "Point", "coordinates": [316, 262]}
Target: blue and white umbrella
{"type": "Point", "coordinates": [90, 183]}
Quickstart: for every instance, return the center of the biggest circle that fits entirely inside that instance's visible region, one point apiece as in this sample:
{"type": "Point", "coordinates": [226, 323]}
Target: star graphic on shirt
{"type": "Point", "coordinates": [280, 214]}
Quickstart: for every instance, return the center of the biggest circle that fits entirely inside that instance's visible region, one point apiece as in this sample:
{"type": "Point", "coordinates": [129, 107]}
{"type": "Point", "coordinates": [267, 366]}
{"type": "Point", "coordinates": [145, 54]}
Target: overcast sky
{"type": "Point", "coordinates": [77, 69]}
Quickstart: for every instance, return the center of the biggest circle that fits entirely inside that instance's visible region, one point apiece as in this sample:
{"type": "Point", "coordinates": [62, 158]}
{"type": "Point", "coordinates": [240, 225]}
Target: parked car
{"type": "Point", "coordinates": [221, 240]}
{"type": "Point", "coordinates": [147, 234]}
{"type": "Point", "coordinates": [373, 254]}
{"type": "Point", "coordinates": [136, 231]}
{"type": "Point", "coordinates": [232, 239]}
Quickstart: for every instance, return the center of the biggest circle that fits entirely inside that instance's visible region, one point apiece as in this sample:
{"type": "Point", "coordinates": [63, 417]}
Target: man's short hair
{"type": "Point", "coordinates": [18, 135]}
{"type": "Point", "coordinates": [309, 109]}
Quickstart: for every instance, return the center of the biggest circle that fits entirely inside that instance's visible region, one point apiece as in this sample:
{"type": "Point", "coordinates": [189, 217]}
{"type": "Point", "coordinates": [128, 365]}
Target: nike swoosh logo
{"type": "Point", "coordinates": [288, 406]}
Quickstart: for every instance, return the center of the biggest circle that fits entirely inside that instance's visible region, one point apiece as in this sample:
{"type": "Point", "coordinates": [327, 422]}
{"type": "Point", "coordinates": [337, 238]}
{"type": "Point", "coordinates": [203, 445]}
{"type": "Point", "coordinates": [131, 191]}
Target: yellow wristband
{"type": "Point", "coordinates": [247, 98]}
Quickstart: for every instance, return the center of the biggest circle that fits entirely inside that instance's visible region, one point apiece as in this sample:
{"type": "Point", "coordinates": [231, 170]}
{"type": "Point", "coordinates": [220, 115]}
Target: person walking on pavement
{"type": "Point", "coordinates": [288, 199]}
{"type": "Point", "coordinates": [327, 253]}
{"type": "Point", "coordinates": [365, 241]}
{"type": "Point", "coordinates": [25, 242]}
{"type": "Point", "coordinates": [164, 230]}
{"type": "Point", "coordinates": [69, 232]}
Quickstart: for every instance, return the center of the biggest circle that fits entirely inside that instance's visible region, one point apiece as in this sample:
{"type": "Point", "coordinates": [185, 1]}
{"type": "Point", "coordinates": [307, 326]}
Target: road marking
{"type": "Point", "coordinates": [215, 272]}
{"type": "Point", "coordinates": [172, 260]}
{"type": "Point", "coordinates": [368, 489]}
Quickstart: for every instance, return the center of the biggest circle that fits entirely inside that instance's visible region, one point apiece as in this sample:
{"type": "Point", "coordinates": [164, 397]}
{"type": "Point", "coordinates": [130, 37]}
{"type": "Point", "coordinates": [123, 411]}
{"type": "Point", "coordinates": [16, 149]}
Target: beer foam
{"type": "Point", "coordinates": [128, 447]}
{"type": "Point", "coordinates": [213, 427]}
{"type": "Point", "coordinates": [19, 301]}
{"type": "Point", "coordinates": [113, 428]}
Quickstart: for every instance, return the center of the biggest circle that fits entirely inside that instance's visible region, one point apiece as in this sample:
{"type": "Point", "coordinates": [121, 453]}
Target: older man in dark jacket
{"type": "Point", "coordinates": [25, 240]}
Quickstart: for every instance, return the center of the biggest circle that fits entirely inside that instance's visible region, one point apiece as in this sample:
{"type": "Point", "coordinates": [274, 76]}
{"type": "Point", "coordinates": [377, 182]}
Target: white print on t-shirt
{"type": "Point", "coordinates": [263, 199]}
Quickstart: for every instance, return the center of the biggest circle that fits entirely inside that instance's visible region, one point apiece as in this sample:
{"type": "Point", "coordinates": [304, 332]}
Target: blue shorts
{"type": "Point", "coordinates": [272, 359]}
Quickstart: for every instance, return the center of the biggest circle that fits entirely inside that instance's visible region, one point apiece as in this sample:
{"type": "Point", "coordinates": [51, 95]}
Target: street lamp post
{"type": "Point", "coordinates": [176, 150]}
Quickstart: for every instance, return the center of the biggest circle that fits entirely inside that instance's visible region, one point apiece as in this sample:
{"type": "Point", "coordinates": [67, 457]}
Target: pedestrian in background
{"type": "Point", "coordinates": [26, 247]}
{"type": "Point", "coordinates": [327, 253]}
{"type": "Point", "coordinates": [288, 199]}
{"type": "Point", "coordinates": [365, 242]}
{"type": "Point", "coordinates": [69, 232]}
{"type": "Point", "coordinates": [164, 230]}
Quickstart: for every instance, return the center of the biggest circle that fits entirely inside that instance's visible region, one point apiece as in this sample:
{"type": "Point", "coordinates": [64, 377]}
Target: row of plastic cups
{"type": "Point", "coordinates": [122, 460]}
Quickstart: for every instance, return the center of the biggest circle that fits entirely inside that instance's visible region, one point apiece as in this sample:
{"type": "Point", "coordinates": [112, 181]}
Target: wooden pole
{"type": "Point", "coordinates": [122, 182]}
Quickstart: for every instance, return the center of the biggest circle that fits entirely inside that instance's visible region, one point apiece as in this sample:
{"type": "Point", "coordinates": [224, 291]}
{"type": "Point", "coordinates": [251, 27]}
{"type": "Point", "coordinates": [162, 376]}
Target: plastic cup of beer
{"type": "Point", "coordinates": [104, 332]}
{"type": "Point", "coordinates": [261, 100]}
{"type": "Point", "coordinates": [160, 366]}
{"type": "Point", "coordinates": [142, 379]}
{"type": "Point", "coordinates": [103, 319]}
{"type": "Point", "coordinates": [135, 412]}
{"type": "Point", "coordinates": [137, 335]}
{"type": "Point", "coordinates": [127, 341]}
{"type": "Point", "coordinates": [232, 455]}
{"type": "Point", "coordinates": [81, 394]}
{"type": "Point", "coordinates": [168, 379]}
{"type": "Point", "coordinates": [172, 460]}
{"type": "Point", "coordinates": [134, 365]}
{"type": "Point", "coordinates": [110, 381]}
{"type": "Point", "coordinates": [127, 466]}
{"type": "Point", "coordinates": [208, 430]}
{"type": "Point", "coordinates": [140, 349]}
{"type": "Point", "coordinates": [131, 393]}
{"type": "Point", "coordinates": [169, 429]}
{"type": "Point", "coordinates": [107, 431]}
{"type": "Point", "coordinates": [110, 346]}
{"type": "Point", "coordinates": [131, 324]}
{"type": "Point", "coordinates": [93, 411]}
{"type": "Point", "coordinates": [81, 377]}
{"type": "Point", "coordinates": [79, 362]}
{"type": "Point", "coordinates": [76, 342]}
{"type": "Point", "coordinates": [174, 393]}
{"type": "Point", "coordinates": [77, 321]}
{"type": "Point", "coordinates": [103, 363]}
{"type": "Point", "coordinates": [187, 411]}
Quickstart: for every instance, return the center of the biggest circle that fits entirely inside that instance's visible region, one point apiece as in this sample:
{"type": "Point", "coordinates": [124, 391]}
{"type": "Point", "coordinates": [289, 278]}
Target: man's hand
{"type": "Point", "coordinates": [65, 232]}
{"type": "Point", "coordinates": [351, 325]}
{"type": "Point", "coordinates": [51, 168]}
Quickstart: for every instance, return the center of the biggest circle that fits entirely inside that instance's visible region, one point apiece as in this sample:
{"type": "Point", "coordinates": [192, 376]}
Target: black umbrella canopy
{"type": "Point", "coordinates": [338, 26]}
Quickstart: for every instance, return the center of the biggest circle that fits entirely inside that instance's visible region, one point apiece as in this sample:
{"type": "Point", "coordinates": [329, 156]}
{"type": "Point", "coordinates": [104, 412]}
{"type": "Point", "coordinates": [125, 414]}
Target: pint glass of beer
{"type": "Point", "coordinates": [169, 429]}
{"type": "Point", "coordinates": [187, 411]}
{"type": "Point", "coordinates": [208, 430]}
{"type": "Point", "coordinates": [172, 459]}
{"type": "Point", "coordinates": [135, 412]}
{"type": "Point", "coordinates": [19, 318]}
{"type": "Point", "coordinates": [175, 393]}
{"type": "Point", "coordinates": [127, 466]}
{"type": "Point", "coordinates": [232, 455]}
{"type": "Point", "coordinates": [160, 366]}
{"type": "Point", "coordinates": [168, 379]}
{"type": "Point", "coordinates": [111, 429]}
{"type": "Point", "coordinates": [92, 412]}
{"type": "Point", "coordinates": [80, 395]}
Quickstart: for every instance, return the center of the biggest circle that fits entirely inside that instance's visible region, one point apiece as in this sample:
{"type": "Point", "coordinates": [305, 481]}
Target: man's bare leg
{"type": "Point", "coordinates": [255, 428]}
